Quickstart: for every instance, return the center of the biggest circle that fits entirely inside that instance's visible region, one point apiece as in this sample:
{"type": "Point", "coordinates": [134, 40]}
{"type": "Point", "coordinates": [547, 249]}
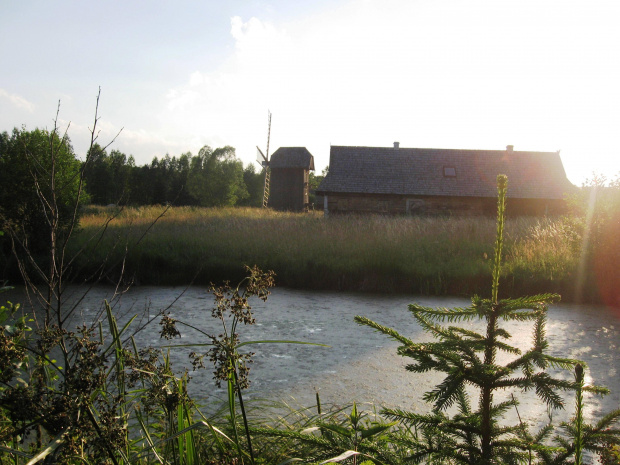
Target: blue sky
{"type": "Point", "coordinates": [476, 74]}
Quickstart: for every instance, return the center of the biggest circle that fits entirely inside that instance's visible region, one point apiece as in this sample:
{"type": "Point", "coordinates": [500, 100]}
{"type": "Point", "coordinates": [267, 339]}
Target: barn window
{"type": "Point", "coordinates": [449, 172]}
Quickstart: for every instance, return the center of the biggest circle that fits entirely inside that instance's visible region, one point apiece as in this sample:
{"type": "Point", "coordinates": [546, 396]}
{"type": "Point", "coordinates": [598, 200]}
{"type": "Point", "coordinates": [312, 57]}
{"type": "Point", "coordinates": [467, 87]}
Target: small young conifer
{"type": "Point", "coordinates": [469, 360]}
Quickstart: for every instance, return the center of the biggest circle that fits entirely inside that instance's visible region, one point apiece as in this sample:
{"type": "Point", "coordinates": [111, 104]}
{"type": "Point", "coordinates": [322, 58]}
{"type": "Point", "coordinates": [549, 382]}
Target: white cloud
{"type": "Point", "coordinates": [17, 101]}
{"type": "Point", "coordinates": [220, 107]}
{"type": "Point", "coordinates": [471, 75]}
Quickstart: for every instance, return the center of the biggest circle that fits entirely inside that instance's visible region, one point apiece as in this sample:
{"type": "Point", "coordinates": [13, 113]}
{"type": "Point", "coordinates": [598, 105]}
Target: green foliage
{"type": "Point", "coordinates": [13, 332]}
{"type": "Point", "coordinates": [212, 178]}
{"type": "Point", "coordinates": [596, 212]}
{"type": "Point", "coordinates": [216, 177]}
{"type": "Point", "coordinates": [37, 167]}
{"type": "Point", "coordinates": [79, 408]}
{"type": "Point", "coordinates": [255, 183]}
{"type": "Point", "coordinates": [115, 179]}
{"type": "Point", "coordinates": [610, 455]}
{"type": "Point", "coordinates": [470, 360]}
{"type": "Point", "coordinates": [314, 181]}
{"type": "Point", "coordinates": [108, 402]}
{"type": "Point", "coordinates": [108, 176]}
{"type": "Point", "coordinates": [599, 197]}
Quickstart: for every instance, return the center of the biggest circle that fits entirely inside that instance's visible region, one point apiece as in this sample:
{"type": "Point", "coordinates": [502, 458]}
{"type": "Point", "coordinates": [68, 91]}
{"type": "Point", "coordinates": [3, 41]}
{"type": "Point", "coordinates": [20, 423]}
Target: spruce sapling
{"type": "Point", "coordinates": [469, 360]}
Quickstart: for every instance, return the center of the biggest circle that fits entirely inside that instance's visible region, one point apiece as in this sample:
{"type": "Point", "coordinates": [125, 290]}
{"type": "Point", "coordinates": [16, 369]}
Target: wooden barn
{"type": "Point", "coordinates": [290, 170]}
{"type": "Point", "coordinates": [396, 180]}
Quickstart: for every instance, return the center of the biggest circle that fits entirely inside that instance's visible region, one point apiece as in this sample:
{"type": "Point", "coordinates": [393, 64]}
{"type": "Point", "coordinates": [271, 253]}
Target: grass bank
{"type": "Point", "coordinates": [430, 256]}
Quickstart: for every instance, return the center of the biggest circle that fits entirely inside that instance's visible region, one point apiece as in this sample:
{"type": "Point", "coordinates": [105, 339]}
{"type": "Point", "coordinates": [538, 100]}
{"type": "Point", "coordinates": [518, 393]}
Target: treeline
{"type": "Point", "coordinates": [212, 178]}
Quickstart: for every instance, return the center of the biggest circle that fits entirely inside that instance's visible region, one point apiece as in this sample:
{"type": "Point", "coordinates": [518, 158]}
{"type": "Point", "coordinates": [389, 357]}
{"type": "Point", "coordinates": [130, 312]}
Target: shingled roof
{"type": "Point", "coordinates": [444, 172]}
{"type": "Point", "coordinates": [292, 157]}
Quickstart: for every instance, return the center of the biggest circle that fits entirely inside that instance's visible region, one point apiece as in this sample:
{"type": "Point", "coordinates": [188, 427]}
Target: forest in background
{"type": "Point", "coordinates": [211, 178]}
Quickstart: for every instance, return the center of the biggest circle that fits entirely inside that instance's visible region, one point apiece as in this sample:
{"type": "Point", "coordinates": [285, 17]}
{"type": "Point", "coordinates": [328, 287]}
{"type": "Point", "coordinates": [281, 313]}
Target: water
{"type": "Point", "coordinates": [360, 365]}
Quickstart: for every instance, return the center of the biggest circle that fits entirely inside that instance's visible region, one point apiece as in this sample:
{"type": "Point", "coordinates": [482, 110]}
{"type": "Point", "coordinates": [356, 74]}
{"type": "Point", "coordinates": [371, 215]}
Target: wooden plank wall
{"type": "Point", "coordinates": [289, 189]}
{"type": "Point", "coordinates": [461, 206]}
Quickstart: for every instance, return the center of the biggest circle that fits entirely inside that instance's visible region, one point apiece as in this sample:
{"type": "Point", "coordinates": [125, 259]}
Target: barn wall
{"type": "Point", "coordinates": [289, 189]}
{"type": "Point", "coordinates": [535, 207]}
{"type": "Point", "coordinates": [421, 205]}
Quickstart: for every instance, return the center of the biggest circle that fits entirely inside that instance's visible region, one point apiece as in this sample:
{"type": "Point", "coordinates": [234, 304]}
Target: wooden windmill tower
{"type": "Point", "coordinates": [263, 160]}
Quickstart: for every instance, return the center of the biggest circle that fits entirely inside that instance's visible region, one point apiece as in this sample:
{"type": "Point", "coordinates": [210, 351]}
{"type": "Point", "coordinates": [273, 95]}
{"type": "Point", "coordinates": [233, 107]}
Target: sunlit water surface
{"type": "Point", "coordinates": [360, 364]}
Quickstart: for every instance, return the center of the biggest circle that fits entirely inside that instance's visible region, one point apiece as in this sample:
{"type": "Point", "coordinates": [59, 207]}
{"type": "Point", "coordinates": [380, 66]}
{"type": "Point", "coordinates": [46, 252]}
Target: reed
{"type": "Point", "coordinates": [369, 253]}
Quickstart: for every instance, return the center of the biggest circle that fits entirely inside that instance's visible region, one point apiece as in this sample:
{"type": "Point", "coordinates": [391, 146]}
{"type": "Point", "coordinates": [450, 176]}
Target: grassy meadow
{"type": "Point", "coordinates": [430, 256]}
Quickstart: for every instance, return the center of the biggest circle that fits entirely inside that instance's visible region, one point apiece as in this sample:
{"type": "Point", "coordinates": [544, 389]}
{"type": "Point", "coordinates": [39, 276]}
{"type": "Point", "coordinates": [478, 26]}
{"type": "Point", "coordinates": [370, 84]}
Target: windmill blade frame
{"type": "Point", "coordinates": [261, 158]}
{"type": "Point", "coordinates": [265, 163]}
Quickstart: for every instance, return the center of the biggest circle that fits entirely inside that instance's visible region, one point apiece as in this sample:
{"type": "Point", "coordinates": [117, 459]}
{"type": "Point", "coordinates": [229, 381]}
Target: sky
{"type": "Point", "coordinates": [175, 76]}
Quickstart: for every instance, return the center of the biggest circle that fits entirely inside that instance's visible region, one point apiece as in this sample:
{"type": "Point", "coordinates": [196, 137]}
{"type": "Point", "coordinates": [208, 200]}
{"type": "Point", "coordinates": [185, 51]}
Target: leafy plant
{"type": "Point", "coordinates": [114, 403]}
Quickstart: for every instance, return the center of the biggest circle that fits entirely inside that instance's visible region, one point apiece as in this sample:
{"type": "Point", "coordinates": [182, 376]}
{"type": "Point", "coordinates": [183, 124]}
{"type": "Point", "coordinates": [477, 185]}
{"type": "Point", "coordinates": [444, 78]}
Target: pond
{"type": "Point", "coordinates": [360, 364]}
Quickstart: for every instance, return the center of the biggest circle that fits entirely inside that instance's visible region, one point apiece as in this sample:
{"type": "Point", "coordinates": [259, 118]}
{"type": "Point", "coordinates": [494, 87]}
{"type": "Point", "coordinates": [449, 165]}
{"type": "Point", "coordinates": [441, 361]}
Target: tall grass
{"type": "Point", "coordinates": [370, 253]}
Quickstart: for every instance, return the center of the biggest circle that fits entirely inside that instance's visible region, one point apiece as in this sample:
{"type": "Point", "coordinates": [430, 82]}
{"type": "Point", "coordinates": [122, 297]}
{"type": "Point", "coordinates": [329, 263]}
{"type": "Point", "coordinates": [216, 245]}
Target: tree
{"type": "Point", "coordinates": [120, 167]}
{"type": "Point", "coordinates": [470, 359]}
{"type": "Point", "coordinates": [38, 168]}
{"type": "Point", "coordinates": [314, 182]}
{"type": "Point", "coordinates": [97, 176]}
{"type": "Point", "coordinates": [179, 174]}
{"type": "Point", "coordinates": [216, 177]}
{"type": "Point", "coordinates": [255, 185]}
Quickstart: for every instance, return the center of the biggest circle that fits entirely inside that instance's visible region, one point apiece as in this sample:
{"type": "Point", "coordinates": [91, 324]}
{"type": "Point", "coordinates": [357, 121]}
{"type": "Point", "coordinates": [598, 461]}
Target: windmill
{"type": "Point", "coordinates": [263, 160]}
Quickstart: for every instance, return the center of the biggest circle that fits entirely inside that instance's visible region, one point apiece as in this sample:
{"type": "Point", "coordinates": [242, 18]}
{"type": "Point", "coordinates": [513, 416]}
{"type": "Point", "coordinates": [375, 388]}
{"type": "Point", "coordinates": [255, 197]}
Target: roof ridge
{"type": "Point", "coordinates": [391, 148]}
